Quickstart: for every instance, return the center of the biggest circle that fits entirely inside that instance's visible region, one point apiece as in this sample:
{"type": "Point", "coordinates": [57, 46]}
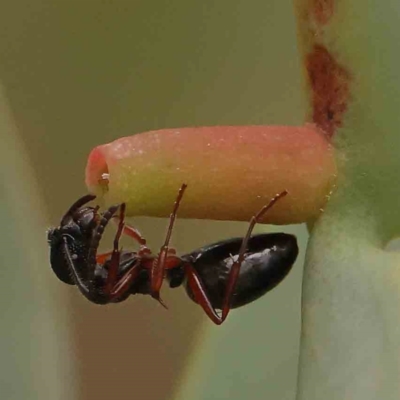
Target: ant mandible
{"type": "Point", "coordinates": [222, 276]}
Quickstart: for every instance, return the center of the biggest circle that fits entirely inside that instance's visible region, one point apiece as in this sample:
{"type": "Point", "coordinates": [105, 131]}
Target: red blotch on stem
{"type": "Point", "coordinates": [330, 89]}
{"type": "Point", "coordinates": [323, 10]}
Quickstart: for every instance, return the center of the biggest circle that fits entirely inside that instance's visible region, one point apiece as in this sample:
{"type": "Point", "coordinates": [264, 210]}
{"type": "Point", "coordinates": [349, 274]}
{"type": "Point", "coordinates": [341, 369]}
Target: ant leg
{"type": "Point", "coordinates": [112, 276]}
{"type": "Point", "coordinates": [105, 219]}
{"type": "Point", "coordinates": [124, 284]}
{"type": "Point", "coordinates": [235, 270]}
{"type": "Point", "coordinates": [158, 266]}
{"type": "Point", "coordinates": [197, 287]}
{"type": "Point", "coordinates": [134, 234]}
{"type": "Point", "coordinates": [200, 295]}
{"type": "Point", "coordinates": [102, 258]}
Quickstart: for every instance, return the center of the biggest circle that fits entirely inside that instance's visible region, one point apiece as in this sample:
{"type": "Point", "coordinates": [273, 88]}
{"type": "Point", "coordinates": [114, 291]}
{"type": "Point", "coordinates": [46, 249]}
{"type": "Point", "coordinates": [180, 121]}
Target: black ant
{"type": "Point", "coordinates": [223, 275]}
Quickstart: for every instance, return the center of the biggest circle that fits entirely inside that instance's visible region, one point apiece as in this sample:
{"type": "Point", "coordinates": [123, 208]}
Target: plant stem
{"type": "Point", "coordinates": [351, 310]}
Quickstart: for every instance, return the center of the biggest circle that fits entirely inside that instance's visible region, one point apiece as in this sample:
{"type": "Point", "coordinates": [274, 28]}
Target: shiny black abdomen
{"type": "Point", "coordinates": [269, 258]}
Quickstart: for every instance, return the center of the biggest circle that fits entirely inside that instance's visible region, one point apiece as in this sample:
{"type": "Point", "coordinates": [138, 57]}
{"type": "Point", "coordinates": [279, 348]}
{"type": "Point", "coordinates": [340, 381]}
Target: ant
{"type": "Point", "coordinates": [220, 276]}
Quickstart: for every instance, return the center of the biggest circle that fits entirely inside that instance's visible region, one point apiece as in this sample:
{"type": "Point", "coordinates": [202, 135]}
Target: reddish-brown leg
{"type": "Point", "coordinates": [112, 276]}
{"type": "Point", "coordinates": [102, 258]}
{"type": "Point", "coordinates": [158, 267]}
{"type": "Point", "coordinates": [197, 286]}
{"type": "Point", "coordinates": [123, 285]}
{"type": "Point", "coordinates": [134, 234]}
{"type": "Point", "coordinates": [115, 287]}
{"type": "Point", "coordinates": [236, 265]}
{"type": "Point", "coordinates": [200, 295]}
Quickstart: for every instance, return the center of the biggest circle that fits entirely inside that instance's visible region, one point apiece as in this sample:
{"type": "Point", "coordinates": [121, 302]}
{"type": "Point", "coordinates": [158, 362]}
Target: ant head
{"type": "Point", "coordinates": [73, 236]}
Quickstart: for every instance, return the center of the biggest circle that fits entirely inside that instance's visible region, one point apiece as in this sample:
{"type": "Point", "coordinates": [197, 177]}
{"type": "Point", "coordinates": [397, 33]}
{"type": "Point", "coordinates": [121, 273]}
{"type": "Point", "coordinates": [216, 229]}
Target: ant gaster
{"type": "Point", "coordinates": [223, 275]}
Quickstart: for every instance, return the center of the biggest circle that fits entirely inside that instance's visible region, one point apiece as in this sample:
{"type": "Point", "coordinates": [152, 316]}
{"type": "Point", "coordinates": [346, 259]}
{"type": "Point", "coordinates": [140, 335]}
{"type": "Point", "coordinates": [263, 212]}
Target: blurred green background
{"type": "Point", "coordinates": [76, 74]}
